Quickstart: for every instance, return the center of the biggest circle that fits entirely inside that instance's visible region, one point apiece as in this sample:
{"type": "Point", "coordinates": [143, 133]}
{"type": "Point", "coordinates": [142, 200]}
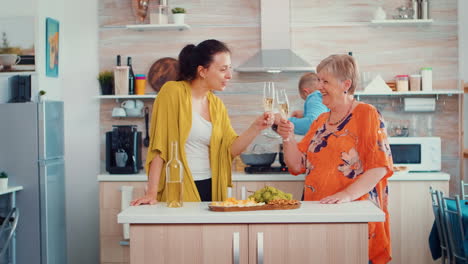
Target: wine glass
{"type": "Point", "coordinates": [268, 101]}
{"type": "Point", "coordinates": [268, 96]}
{"type": "Point", "coordinates": [282, 103]}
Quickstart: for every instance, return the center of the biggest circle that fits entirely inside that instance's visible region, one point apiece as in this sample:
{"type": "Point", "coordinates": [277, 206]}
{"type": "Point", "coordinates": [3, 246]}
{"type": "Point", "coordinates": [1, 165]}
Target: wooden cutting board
{"type": "Point", "coordinates": [254, 208]}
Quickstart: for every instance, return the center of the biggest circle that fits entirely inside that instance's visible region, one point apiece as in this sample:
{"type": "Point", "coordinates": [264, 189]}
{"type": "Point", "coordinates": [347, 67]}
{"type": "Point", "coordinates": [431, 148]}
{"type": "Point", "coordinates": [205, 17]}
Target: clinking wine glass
{"type": "Point", "coordinates": [268, 96]}
{"type": "Point", "coordinates": [283, 105]}
{"type": "Point", "coordinates": [268, 102]}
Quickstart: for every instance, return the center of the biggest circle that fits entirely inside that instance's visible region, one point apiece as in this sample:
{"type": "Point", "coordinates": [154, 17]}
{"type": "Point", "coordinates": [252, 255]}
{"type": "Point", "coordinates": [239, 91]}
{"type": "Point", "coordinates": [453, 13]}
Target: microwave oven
{"type": "Point", "coordinates": [416, 153]}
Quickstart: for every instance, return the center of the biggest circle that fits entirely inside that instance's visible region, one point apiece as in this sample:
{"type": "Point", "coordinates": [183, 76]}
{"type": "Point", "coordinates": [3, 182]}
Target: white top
{"type": "Point", "coordinates": [198, 213]}
{"type": "Point", "coordinates": [197, 147]}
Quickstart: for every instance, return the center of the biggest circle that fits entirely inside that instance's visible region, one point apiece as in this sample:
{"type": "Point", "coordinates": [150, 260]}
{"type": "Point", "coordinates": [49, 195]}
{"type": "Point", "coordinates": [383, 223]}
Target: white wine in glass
{"type": "Point", "coordinates": [268, 96]}
{"type": "Point", "coordinates": [283, 105]}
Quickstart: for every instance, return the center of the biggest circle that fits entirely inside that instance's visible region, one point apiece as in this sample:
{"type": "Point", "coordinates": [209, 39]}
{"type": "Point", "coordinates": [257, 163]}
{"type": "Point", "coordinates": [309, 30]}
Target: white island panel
{"type": "Point", "coordinates": [199, 213]}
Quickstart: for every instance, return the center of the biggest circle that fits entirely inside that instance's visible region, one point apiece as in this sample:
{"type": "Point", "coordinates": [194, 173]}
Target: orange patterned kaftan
{"type": "Point", "coordinates": [335, 159]}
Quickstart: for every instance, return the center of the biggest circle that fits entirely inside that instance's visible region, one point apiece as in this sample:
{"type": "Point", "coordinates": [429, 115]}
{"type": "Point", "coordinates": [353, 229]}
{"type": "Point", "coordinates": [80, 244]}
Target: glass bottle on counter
{"type": "Point", "coordinates": [131, 77]}
{"type": "Point", "coordinates": [174, 178]}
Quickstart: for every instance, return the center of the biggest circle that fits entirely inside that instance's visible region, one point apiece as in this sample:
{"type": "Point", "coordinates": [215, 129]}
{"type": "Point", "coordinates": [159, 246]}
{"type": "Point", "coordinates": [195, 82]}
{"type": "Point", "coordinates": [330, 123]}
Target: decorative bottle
{"type": "Point", "coordinates": [174, 178]}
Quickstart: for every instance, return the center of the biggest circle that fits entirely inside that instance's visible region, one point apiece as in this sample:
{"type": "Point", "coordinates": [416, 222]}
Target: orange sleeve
{"type": "Point", "coordinates": [374, 146]}
{"type": "Point", "coordinates": [303, 145]}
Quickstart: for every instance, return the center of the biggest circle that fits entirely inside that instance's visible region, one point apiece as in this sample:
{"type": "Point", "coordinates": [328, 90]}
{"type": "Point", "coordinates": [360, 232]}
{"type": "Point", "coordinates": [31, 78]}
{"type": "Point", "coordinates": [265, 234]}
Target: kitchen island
{"type": "Point", "coordinates": [318, 233]}
{"type": "Point", "coordinates": [409, 204]}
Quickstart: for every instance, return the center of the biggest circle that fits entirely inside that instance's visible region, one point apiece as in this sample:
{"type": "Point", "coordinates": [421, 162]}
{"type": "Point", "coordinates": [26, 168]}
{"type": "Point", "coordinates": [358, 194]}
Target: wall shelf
{"type": "Point", "coordinates": [127, 96]}
{"type": "Point", "coordinates": [439, 92]}
{"type": "Point", "coordinates": [144, 27]}
{"type": "Point", "coordinates": [399, 22]}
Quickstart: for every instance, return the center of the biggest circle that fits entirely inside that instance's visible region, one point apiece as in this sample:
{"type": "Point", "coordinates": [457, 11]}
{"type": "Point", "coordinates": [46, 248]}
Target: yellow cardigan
{"type": "Point", "coordinates": [171, 120]}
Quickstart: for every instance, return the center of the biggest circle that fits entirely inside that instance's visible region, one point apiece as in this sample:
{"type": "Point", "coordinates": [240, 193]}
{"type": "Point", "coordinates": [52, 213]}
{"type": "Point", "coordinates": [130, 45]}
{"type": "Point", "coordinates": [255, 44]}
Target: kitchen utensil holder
{"type": "Point", "coordinates": [121, 80]}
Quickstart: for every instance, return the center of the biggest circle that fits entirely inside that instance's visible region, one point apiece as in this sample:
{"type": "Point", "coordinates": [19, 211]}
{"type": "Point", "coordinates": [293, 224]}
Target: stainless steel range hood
{"type": "Point", "coordinates": [276, 54]}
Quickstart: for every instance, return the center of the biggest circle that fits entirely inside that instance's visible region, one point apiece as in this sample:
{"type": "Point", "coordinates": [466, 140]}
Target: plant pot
{"type": "Point", "coordinates": [178, 18]}
{"type": "Point", "coordinates": [3, 184]}
{"type": "Point", "coordinates": [107, 88]}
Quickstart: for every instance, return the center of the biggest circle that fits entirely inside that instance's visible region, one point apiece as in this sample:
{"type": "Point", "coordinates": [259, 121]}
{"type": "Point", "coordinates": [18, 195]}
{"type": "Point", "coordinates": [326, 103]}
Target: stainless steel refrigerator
{"type": "Point", "coordinates": [31, 152]}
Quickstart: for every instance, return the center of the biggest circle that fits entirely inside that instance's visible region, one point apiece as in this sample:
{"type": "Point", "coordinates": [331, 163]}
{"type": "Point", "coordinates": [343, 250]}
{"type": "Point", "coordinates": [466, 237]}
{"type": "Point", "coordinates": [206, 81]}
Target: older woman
{"type": "Point", "coordinates": [345, 153]}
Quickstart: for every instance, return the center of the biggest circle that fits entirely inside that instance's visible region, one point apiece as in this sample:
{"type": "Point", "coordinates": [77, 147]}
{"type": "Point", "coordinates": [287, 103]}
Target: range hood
{"type": "Point", "coordinates": [275, 54]}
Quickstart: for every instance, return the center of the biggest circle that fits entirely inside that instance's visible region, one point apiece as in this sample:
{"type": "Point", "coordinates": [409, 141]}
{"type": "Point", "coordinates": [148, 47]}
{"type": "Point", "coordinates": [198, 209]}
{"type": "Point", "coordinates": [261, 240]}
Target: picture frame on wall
{"type": "Point", "coordinates": [17, 52]}
{"type": "Point", "coordinates": [52, 47]}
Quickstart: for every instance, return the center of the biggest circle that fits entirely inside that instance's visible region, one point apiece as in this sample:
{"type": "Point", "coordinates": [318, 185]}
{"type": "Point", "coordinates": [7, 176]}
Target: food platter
{"type": "Point", "coordinates": [216, 208]}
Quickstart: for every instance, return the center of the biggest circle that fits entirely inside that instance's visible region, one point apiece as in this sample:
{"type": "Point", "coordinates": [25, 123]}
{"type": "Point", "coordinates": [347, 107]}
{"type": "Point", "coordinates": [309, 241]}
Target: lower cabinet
{"type": "Point", "coordinates": [249, 243]}
{"type": "Point", "coordinates": [111, 232]}
{"type": "Point", "coordinates": [411, 220]}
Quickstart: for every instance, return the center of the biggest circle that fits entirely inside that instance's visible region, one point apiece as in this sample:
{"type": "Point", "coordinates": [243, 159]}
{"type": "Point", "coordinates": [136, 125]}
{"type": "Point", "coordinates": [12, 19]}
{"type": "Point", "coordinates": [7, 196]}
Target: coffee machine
{"type": "Point", "coordinates": [123, 150]}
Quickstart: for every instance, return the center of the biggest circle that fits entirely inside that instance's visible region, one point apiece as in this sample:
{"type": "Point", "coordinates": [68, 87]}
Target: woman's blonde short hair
{"type": "Point", "coordinates": [343, 67]}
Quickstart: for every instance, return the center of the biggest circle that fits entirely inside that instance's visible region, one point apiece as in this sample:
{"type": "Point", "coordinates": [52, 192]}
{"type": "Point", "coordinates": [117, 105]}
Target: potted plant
{"type": "Point", "coordinates": [106, 80]}
{"type": "Point", "coordinates": [178, 15]}
{"type": "Point", "coordinates": [3, 180]}
{"type": "Point", "coordinates": [41, 96]}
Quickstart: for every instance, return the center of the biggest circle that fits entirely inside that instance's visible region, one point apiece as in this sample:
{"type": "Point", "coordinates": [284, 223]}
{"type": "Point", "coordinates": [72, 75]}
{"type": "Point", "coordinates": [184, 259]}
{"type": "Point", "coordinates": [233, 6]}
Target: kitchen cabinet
{"type": "Point", "coordinates": [248, 243]}
{"type": "Point", "coordinates": [410, 211]}
{"type": "Point", "coordinates": [193, 234]}
{"type": "Point", "coordinates": [190, 243]}
{"type": "Point", "coordinates": [111, 232]}
{"type": "Point", "coordinates": [411, 219]}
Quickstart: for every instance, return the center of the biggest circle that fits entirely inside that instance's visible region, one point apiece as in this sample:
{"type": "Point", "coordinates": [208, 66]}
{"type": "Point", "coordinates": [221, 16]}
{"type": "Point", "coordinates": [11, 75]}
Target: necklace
{"type": "Point", "coordinates": [343, 118]}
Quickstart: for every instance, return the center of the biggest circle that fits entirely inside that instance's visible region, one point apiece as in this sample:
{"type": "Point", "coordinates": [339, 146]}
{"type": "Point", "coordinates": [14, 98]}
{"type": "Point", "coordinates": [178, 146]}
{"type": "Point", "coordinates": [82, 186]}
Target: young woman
{"type": "Point", "coordinates": [187, 111]}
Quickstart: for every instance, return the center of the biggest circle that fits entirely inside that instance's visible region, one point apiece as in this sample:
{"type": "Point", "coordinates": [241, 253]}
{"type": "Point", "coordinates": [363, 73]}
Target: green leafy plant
{"type": "Point", "coordinates": [106, 77]}
{"type": "Point", "coordinates": [5, 48]}
{"type": "Point", "coordinates": [178, 10]}
{"type": "Point", "coordinates": [3, 175]}
{"type": "Point", "coordinates": [42, 92]}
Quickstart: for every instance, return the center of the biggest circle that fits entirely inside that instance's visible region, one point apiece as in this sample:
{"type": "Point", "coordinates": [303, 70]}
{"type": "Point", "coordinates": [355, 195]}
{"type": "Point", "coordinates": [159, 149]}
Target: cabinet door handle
{"type": "Point", "coordinates": [235, 248]}
{"type": "Point", "coordinates": [260, 248]}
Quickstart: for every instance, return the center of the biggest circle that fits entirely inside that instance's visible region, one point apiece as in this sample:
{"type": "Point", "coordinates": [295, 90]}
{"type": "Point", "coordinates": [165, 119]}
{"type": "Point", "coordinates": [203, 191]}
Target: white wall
{"type": "Point", "coordinates": [79, 69]}
{"type": "Point", "coordinates": [76, 86]}
{"type": "Point", "coordinates": [18, 8]}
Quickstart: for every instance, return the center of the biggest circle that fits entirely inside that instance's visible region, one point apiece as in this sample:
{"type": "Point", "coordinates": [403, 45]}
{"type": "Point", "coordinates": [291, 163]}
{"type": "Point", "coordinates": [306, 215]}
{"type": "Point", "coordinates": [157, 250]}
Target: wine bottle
{"type": "Point", "coordinates": [174, 178]}
{"type": "Point", "coordinates": [131, 77]}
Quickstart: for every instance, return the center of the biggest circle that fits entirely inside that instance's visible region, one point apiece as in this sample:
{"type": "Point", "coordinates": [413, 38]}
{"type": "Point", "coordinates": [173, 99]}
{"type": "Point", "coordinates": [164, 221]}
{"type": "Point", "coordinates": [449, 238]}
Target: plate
{"type": "Point", "coordinates": [254, 208]}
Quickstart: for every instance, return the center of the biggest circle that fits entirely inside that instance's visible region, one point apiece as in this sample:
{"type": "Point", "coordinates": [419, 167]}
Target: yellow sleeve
{"type": "Point", "coordinates": [162, 131]}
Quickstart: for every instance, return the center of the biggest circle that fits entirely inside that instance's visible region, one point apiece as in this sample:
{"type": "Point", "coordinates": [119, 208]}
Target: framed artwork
{"type": "Point", "coordinates": [17, 44]}
{"type": "Point", "coordinates": [52, 47]}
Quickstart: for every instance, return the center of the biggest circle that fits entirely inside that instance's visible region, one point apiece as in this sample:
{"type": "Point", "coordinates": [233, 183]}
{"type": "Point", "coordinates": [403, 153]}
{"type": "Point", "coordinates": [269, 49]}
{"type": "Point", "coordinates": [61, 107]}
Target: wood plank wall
{"type": "Point", "coordinates": [319, 28]}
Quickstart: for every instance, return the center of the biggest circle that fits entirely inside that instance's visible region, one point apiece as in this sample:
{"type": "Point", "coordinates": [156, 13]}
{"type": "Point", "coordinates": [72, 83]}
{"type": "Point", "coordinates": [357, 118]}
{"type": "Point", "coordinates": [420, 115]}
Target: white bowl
{"type": "Point", "coordinates": [9, 59]}
{"type": "Point", "coordinates": [133, 112]}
